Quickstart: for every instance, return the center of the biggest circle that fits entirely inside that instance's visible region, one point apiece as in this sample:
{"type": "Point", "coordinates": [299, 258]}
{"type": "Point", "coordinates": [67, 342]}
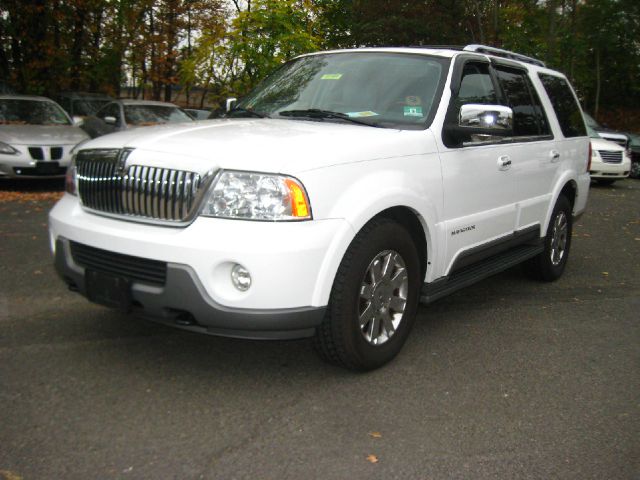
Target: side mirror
{"type": "Point", "coordinates": [77, 121]}
{"type": "Point", "coordinates": [110, 120]}
{"type": "Point", "coordinates": [485, 120]}
{"type": "Point", "coordinates": [231, 103]}
{"type": "Point", "coordinates": [497, 119]}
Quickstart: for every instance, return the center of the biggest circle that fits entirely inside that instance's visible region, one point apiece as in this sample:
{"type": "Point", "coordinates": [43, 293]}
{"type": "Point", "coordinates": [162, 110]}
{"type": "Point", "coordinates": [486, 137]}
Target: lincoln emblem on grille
{"type": "Point", "coordinates": [121, 162]}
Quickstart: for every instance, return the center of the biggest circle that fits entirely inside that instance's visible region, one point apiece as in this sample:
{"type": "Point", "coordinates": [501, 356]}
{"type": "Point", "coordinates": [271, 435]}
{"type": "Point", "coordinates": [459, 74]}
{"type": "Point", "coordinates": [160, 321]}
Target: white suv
{"type": "Point", "coordinates": [347, 187]}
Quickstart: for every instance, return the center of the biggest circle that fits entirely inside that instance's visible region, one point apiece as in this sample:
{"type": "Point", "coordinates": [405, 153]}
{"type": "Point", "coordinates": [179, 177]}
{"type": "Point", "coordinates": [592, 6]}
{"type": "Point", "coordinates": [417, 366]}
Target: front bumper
{"type": "Point", "coordinates": [46, 165]}
{"type": "Point", "coordinates": [600, 169]}
{"type": "Point", "coordinates": [291, 266]}
{"type": "Point", "coordinates": [183, 303]}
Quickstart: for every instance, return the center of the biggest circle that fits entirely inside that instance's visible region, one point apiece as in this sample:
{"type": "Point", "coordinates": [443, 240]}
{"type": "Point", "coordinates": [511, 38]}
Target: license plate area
{"type": "Point", "coordinates": [108, 290]}
{"type": "Point", "coordinates": [47, 168]}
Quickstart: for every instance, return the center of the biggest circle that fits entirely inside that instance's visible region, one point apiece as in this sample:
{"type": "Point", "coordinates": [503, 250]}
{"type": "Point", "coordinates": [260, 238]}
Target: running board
{"type": "Point", "coordinates": [478, 271]}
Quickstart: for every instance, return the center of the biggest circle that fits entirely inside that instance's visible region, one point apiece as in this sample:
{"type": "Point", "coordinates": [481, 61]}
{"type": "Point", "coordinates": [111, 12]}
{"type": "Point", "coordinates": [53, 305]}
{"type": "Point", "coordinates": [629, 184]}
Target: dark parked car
{"type": "Point", "coordinates": [124, 114]}
{"type": "Point", "coordinates": [634, 146]}
{"type": "Point", "coordinates": [82, 104]}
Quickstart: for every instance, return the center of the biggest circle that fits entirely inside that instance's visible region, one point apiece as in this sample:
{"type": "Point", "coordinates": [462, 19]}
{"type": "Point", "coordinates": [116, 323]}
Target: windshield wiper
{"type": "Point", "coordinates": [317, 113]}
{"type": "Point", "coordinates": [245, 111]}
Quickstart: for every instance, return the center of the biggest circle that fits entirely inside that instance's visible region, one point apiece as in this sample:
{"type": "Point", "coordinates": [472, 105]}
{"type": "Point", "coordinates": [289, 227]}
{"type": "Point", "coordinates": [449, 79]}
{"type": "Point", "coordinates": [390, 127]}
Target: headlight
{"type": "Point", "coordinates": [70, 179]}
{"type": "Point", "coordinates": [7, 149]}
{"type": "Point", "coordinates": [257, 196]}
{"type": "Point", "coordinates": [594, 153]}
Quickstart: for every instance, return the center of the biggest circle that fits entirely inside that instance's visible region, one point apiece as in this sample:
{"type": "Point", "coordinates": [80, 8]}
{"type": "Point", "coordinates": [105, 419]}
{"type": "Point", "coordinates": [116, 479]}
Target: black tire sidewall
{"type": "Point", "coordinates": [551, 271]}
{"type": "Point", "coordinates": [386, 235]}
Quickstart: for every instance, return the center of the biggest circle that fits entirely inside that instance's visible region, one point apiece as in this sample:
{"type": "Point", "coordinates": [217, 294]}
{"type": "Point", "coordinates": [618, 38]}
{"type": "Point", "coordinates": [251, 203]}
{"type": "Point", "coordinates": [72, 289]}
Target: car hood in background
{"type": "Point", "coordinates": [41, 135]}
{"type": "Point", "coordinates": [602, 144]}
{"type": "Point", "coordinates": [268, 145]}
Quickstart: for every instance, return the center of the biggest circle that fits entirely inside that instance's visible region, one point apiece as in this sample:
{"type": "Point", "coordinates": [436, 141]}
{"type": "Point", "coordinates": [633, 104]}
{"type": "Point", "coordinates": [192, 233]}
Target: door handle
{"type": "Point", "coordinates": [555, 156]}
{"type": "Point", "coordinates": [504, 162]}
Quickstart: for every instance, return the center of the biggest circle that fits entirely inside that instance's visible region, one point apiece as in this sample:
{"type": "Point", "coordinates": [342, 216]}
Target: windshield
{"type": "Point", "coordinates": [88, 106]}
{"type": "Point", "coordinates": [144, 115]}
{"type": "Point", "coordinates": [592, 133]}
{"type": "Point", "coordinates": [382, 89]}
{"type": "Point", "coordinates": [590, 121]}
{"type": "Point", "coordinates": [31, 112]}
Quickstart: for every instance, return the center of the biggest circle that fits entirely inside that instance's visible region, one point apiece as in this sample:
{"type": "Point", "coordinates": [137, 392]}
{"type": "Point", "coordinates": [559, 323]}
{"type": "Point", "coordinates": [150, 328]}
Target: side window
{"type": "Point", "coordinates": [528, 118]}
{"type": "Point", "coordinates": [565, 105]}
{"type": "Point", "coordinates": [476, 86]}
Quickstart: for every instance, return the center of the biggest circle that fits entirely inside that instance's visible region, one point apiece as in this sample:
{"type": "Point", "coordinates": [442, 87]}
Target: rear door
{"type": "Point", "coordinates": [535, 158]}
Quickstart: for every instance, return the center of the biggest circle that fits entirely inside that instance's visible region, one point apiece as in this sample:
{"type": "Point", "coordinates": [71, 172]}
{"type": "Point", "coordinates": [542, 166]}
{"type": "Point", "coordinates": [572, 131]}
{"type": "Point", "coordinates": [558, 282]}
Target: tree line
{"type": "Point", "coordinates": [224, 47]}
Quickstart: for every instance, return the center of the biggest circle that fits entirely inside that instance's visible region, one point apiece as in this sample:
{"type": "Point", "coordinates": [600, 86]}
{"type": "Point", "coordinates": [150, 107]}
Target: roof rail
{"type": "Point", "coordinates": [498, 52]}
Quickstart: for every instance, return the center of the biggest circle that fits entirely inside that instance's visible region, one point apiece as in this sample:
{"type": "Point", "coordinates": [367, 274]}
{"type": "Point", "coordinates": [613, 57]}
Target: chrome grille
{"type": "Point", "coordinates": [611, 156]}
{"type": "Point", "coordinates": [144, 192]}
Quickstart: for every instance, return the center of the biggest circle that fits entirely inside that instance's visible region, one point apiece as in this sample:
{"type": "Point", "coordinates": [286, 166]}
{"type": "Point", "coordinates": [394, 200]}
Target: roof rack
{"type": "Point", "coordinates": [498, 52]}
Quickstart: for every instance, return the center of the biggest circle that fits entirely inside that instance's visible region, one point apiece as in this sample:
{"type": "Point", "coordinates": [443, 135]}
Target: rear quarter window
{"type": "Point", "coordinates": [565, 105]}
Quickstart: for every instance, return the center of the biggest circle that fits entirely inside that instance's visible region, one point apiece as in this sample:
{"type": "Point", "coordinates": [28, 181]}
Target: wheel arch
{"type": "Point", "coordinates": [408, 216]}
{"type": "Point", "coordinates": [568, 186]}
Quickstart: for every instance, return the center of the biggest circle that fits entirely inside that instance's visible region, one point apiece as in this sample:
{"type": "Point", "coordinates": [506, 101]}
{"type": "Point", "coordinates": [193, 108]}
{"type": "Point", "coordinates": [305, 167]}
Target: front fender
{"type": "Point", "coordinates": [413, 182]}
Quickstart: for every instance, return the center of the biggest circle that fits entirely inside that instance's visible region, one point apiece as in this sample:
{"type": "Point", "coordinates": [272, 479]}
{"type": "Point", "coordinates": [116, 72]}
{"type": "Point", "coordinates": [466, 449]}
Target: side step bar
{"type": "Point", "coordinates": [478, 271]}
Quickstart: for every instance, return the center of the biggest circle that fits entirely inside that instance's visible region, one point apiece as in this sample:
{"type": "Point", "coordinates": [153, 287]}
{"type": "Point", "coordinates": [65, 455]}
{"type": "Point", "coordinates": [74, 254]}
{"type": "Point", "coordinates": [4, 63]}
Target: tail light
{"type": "Point", "coordinates": [589, 158]}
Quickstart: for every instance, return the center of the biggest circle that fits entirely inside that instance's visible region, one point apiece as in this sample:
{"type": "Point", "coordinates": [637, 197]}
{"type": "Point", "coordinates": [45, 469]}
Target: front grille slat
{"type": "Point", "coordinates": [611, 156]}
{"type": "Point", "coordinates": [134, 268]}
{"type": "Point", "coordinates": [148, 192]}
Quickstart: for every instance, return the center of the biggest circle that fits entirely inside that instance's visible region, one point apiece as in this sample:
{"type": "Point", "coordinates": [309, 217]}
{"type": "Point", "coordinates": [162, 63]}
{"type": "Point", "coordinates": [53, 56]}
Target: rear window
{"type": "Point", "coordinates": [565, 105]}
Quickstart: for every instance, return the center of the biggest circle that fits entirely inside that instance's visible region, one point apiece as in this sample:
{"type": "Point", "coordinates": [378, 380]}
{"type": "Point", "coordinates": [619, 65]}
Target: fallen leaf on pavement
{"type": "Point", "coordinates": [375, 434]}
{"type": "Point", "coordinates": [372, 459]}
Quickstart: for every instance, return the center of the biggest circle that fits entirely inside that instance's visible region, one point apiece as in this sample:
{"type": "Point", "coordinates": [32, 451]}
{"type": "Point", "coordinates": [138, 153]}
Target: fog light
{"type": "Point", "coordinates": [240, 277]}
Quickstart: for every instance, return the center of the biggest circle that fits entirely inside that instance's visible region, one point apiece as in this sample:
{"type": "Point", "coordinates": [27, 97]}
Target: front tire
{"type": "Point", "coordinates": [374, 298]}
{"type": "Point", "coordinates": [549, 265]}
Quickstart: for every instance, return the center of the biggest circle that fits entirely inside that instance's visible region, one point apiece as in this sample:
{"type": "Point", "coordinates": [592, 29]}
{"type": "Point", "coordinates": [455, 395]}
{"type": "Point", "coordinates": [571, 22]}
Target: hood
{"type": "Point", "coordinates": [267, 145]}
{"type": "Point", "coordinates": [41, 134]}
{"type": "Point", "coordinates": [602, 144]}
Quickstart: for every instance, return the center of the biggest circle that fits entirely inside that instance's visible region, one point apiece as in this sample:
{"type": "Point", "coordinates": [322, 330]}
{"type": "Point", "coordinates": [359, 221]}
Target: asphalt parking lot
{"type": "Point", "coordinates": [508, 379]}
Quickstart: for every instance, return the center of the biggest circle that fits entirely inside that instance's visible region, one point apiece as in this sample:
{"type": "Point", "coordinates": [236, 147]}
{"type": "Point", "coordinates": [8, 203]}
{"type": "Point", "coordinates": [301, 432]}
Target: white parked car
{"type": "Point", "coordinates": [609, 161]}
{"type": "Point", "coordinates": [36, 137]}
{"type": "Point", "coordinates": [346, 188]}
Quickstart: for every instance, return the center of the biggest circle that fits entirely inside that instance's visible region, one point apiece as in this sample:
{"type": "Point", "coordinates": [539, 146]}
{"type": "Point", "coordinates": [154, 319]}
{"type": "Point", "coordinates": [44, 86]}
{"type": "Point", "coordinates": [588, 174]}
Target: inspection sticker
{"type": "Point", "coordinates": [412, 111]}
{"type": "Point", "coordinates": [331, 76]}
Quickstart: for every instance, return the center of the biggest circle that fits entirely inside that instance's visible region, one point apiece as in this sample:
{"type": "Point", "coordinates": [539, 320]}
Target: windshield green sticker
{"type": "Point", "coordinates": [362, 114]}
{"type": "Point", "coordinates": [414, 111]}
{"type": "Point", "coordinates": [331, 76]}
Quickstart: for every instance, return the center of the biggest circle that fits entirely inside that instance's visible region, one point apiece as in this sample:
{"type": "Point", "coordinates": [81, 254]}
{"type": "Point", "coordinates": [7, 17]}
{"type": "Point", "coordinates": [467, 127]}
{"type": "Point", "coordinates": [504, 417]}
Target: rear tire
{"type": "Point", "coordinates": [549, 265]}
{"type": "Point", "coordinates": [374, 298]}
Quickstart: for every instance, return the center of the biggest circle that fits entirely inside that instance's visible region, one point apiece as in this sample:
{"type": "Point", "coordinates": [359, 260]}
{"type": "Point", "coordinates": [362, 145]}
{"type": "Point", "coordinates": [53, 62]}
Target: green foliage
{"type": "Point", "coordinates": [226, 47]}
{"type": "Point", "coordinates": [270, 33]}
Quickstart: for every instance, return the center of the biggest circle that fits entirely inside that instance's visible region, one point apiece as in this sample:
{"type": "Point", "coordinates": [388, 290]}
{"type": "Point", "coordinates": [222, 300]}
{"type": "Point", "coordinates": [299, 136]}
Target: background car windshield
{"type": "Point", "coordinates": [31, 112]}
{"type": "Point", "coordinates": [592, 133]}
{"type": "Point", "coordinates": [153, 114]}
{"type": "Point", "coordinates": [87, 107]}
{"type": "Point", "coordinates": [386, 89]}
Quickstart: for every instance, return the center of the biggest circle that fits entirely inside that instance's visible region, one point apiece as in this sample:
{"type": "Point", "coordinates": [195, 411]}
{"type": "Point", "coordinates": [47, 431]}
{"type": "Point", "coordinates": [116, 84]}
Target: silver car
{"type": "Point", "coordinates": [36, 137]}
